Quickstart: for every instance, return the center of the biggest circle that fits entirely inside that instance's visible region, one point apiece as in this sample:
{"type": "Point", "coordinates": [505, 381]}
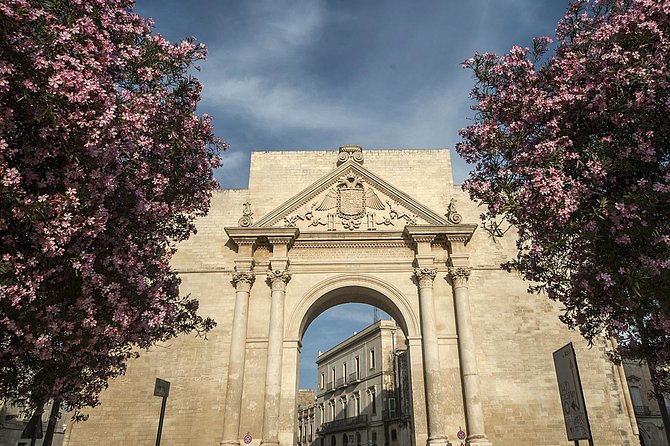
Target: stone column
{"type": "Point", "coordinates": [278, 280]}
{"type": "Point", "coordinates": [231, 415]}
{"type": "Point", "coordinates": [474, 416]}
{"type": "Point", "coordinates": [431, 361]}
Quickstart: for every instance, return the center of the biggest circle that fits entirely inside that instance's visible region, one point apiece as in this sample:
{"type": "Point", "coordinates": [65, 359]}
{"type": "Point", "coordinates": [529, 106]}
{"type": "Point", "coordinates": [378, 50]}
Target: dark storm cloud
{"type": "Point", "coordinates": [318, 74]}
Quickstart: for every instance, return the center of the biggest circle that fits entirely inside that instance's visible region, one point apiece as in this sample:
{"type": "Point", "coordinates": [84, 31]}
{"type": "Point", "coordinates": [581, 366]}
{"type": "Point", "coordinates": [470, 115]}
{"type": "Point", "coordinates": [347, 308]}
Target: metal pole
{"type": "Point", "coordinates": [160, 422]}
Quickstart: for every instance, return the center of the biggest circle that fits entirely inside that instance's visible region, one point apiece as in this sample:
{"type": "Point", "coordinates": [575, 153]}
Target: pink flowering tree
{"type": "Point", "coordinates": [104, 166]}
{"type": "Point", "coordinates": [573, 151]}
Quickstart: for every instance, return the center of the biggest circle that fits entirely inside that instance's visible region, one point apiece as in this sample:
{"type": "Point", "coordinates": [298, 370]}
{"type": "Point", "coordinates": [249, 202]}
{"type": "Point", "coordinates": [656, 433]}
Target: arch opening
{"type": "Point", "coordinates": [363, 387]}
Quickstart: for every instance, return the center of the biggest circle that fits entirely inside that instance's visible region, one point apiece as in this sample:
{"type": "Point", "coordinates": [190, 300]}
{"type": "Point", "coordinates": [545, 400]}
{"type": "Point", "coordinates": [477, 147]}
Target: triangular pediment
{"type": "Point", "coordinates": [351, 198]}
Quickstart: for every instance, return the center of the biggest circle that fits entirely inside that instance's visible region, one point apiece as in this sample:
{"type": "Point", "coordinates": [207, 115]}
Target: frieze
{"type": "Point", "coordinates": [352, 252]}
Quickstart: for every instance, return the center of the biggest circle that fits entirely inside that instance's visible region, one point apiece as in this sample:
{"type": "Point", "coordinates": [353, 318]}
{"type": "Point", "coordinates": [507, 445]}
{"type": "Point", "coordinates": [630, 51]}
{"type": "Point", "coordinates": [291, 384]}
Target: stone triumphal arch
{"type": "Point", "coordinates": [386, 227]}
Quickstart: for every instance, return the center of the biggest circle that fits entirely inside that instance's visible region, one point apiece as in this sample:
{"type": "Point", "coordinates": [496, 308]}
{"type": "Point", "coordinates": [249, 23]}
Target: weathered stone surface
{"type": "Point", "coordinates": [512, 333]}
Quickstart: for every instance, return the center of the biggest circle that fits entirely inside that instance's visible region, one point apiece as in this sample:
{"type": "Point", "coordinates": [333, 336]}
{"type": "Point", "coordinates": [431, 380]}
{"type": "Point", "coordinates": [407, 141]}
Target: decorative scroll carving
{"type": "Point", "coordinates": [425, 276]}
{"type": "Point", "coordinates": [242, 280]}
{"type": "Point", "coordinates": [452, 214]}
{"type": "Point", "coordinates": [459, 275]}
{"type": "Point", "coordinates": [246, 219]}
{"type": "Point", "coordinates": [278, 279]}
{"type": "Point", "coordinates": [350, 152]}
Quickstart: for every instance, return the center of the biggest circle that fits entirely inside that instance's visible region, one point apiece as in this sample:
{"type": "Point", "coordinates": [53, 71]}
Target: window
{"type": "Point", "coordinates": [374, 437]}
{"type": "Point", "coordinates": [373, 400]}
{"type": "Point", "coordinates": [394, 434]}
{"type": "Point", "coordinates": [332, 377]}
{"type": "Point", "coordinates": [358, 367]}
{"type": "Point", "coordinates": [344, 372]}
{"type": "Point", "coordinates": [358, 439]}
{"type": "Point", "coordinates": [392, 407]}
{"type": "Point", "coordinates": [322, 382]}
{"type": "Point", "coordinates": [372, 358]}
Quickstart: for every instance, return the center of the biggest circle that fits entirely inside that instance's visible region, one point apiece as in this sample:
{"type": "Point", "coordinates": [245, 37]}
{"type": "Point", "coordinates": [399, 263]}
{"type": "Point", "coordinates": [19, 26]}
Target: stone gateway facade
{"type": "Point", "coordinates": [388, 228]}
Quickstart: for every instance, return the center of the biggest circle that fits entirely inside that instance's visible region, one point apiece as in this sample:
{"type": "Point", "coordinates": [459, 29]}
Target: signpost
{"type": "Point", "coordinates": [162, 389]}
{"type": "Point", "coordinates": [572, 397]}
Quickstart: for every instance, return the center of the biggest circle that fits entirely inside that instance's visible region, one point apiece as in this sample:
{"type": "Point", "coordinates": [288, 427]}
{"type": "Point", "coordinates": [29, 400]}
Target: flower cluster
{"type": "Point", "coordinates": [573, 150]}
{"type": "Point", "coordinates": [104, 166]}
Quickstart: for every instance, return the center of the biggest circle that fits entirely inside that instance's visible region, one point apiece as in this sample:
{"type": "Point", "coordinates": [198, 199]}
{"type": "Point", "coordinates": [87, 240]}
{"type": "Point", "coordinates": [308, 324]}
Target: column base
{"type": "Point", "coordinates": [478, 440]}
{"type": "Point", "coordinates": [438, 441]}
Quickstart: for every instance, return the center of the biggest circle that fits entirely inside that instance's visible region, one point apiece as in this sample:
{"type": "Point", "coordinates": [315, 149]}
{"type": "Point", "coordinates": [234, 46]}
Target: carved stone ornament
{"type": "Point", "coordinates": [278, 279]}
{"type": "Point", "coordinates": [350, 152]}
{"type": "Point", "coordinates": [246, 219]}
{"type": "Point", "coordinates": [425, 276]}
{"type": "Point", "coordinates": [243, 280]}
{"type": "Point", "coordinates": [459, 275]}
{"type": "Point", "coordinates": [452, 214]}
{"type": "Point", "coordinates": [350, 198]}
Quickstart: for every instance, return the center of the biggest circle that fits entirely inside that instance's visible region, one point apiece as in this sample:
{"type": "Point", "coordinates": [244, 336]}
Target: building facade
{"type": "Point", "coordinates": [362, 396]}
{"type": "Point", "coordinates": [646, 407]}
{"type": "Point", "coordinates": [315, 229]}
{"type": "Point", "coordinates": [14, 420]}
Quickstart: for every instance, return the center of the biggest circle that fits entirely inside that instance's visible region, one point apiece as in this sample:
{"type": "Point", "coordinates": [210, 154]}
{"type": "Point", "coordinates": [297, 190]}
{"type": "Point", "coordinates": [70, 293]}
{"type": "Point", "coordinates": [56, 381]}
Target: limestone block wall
{"type": "Point", "coordinates": [515, 333]}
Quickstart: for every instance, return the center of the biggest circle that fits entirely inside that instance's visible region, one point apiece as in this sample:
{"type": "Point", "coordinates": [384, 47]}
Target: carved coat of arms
{"type": "Point", "coordinates": [351, 198]}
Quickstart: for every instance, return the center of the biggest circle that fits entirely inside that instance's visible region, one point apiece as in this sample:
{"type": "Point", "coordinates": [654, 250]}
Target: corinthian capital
{"type": "Point", "coordinates": [425, 276]}
{"type": "Point", "coordinates": [278, 279]}
{"type": "Point", "coordinates": [243, 280]}
{"type": "Point", "coordinates": [459, 275]}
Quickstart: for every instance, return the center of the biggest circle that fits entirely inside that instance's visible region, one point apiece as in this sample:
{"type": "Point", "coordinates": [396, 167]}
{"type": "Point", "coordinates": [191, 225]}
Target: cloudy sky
{"type": "Point", "coordinates": [318, 74]}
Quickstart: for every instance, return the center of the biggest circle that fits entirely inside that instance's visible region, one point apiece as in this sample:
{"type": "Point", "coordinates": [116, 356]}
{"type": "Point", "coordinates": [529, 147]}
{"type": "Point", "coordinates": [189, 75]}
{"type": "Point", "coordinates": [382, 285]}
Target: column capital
{"type": "Point", "coordinates": [242, 280]}
{"type": "Point", "coordinates": [459, 275]}
{"type": "Point", "coordinates": [278, 279]}
{"type": "Point", "coordinates": [425, 276]}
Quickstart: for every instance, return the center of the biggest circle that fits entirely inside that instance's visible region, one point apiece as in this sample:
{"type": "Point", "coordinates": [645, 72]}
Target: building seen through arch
{"type": "Point", "coordinates": [388, 228]}
{"type": "Point", "coordinates": [363, 392]}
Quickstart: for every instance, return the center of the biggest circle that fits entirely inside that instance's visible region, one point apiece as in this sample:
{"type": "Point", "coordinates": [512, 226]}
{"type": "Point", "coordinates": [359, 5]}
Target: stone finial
{"type": "Point", "coordinates": [452, 214]}
{"type": "Point", "coordinates": [350, 152]}
{"type": "Point", "coordinates": [246, 219]}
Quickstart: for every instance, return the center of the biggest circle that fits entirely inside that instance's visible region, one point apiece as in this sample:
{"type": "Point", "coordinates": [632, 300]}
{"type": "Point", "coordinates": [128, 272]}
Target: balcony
{"type": "Point", "coordinates": [341, 382]}
{"type": "Point", "coordinates": [353, 378]}
{"type": "Point", "coordinates": [344, 424]}
{"type": "Point", "coordinates": [642, 411]}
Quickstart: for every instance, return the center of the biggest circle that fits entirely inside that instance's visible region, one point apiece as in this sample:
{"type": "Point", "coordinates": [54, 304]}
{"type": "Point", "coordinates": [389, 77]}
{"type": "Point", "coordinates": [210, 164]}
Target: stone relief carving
{"type": "Point", "coordinates": [452, 214]}
{"type": "Point", "coordinates": [246, 219]}
{"type": "Point", "coordinates": [425, 276]}
{"type": "Point", "coordinates": [350, 205]}
{"type": "Point", "coordinates": [350, 152]}
{"type": "Point", "coordinates": [278, 279]}
{"type": "Point", "coordinates": [242, 280]}
{"type": "Point", "coordinates": [459, 275]}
